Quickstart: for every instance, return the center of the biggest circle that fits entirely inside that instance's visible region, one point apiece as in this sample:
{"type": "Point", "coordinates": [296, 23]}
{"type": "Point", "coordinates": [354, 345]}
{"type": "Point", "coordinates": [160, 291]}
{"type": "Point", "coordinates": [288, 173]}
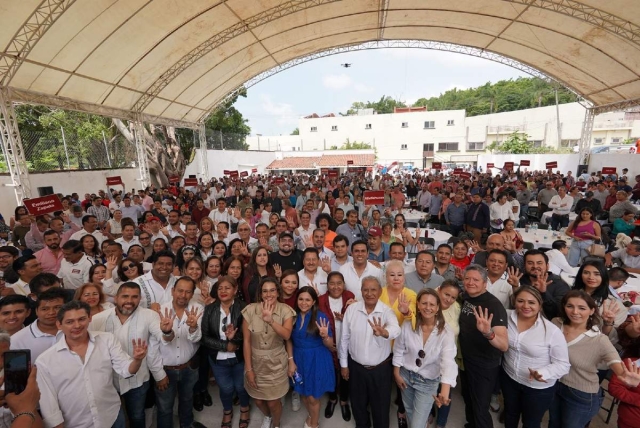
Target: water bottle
{"type": "Point", "coordinates": [428, 225]}
{"type": "Point", "coordinates": [297, 378]}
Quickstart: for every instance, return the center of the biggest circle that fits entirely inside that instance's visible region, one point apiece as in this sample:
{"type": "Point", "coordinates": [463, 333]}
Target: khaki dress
{"type": "Point", "coordinates": [269, 358]}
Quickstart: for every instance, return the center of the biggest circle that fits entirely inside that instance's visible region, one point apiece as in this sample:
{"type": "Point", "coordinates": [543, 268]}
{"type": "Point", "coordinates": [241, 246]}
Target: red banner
{"type": "Point", "coordinates": [525, 163]}
{"type": "Point", "coordinates": [608, 170]}
{"type": "Point", "coordinates": [226, 172]}
{"type": "Point", "coordinates": [436, 165]}
{"type": "Point", "coordinates": [551, 165]}
{"type": "Point", "coordinates": [457, 171]}
{"type": "Point", "coordinates": [324, 170]}
{"type": "Point", "coordinates": [349, 162]}
{"type": "Point", "coordinates": [490, 165]}
{"type": "Point", "coordinates": [374, 197]}
{"type": "Point", "coordinates": [233, 174]}
{"type": "Point", "coordinates": [508, 165]}
{"type": "Point", "coordinates": [244, 174]}
{"type": "Point", "coordinates": [190, 181]}
{"type": "Point", "coordinates": [254, 170]}
{"type": "Point", "coordinates": [333, 173]}
{"type": "Point", "coordinates": [278, 180]}
{"type": "Point", "coordinates": [43, 205]}
{"type": "Point", "coordinates": [174, 179]}
{"type": "Point", "coordinates": [112, 181]}
{"type": "Point", "coordinates": [465, 175]}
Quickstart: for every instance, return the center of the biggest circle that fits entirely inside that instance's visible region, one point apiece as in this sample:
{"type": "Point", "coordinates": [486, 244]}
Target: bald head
{"type": "Point", "coordinates": [495, 242]}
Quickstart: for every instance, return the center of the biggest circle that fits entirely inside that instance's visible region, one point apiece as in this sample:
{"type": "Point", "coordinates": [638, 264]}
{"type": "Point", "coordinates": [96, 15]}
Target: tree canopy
{"type": "Point", "coordinates": [384, 105]}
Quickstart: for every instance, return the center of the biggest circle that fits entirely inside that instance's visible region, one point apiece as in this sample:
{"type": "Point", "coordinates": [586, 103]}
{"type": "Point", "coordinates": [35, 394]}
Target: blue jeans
{"type": "Point", "coordinates": [134, 403]}
{"type": "Point", "coordinates": [418, 397]}
{"type": "Point", "coordinates": [522, 401]}
{"type": "Point", "coordinates": [572, 408]}
{"type": "Point", "coordinates": [229, 375]}
{"type": "Point", "coordinates": [558, 222]}
{"type": "Point", "coordinates": [120, 420]}
{"type": "Point", "coordinates": [578, 250]}
{"type": "Point", "coordinates": [181, 384]}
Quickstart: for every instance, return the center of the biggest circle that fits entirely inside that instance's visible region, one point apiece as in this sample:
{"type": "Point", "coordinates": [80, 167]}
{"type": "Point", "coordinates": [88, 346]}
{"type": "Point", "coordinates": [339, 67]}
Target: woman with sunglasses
{"type": "Point", "coordinates": [222, 339]}
{"type": "Point", "coordinates": [424, 358]}
{"type": "Point", "coordinates": [128, 270]}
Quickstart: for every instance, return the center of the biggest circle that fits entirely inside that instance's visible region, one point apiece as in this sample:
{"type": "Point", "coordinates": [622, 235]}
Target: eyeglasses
{"type": "Point", "coordinates": [127, 267]}
{"type": "Point", "coordinates": [145, 238]}
{"type": "Point", "coordinates": [421, 356]}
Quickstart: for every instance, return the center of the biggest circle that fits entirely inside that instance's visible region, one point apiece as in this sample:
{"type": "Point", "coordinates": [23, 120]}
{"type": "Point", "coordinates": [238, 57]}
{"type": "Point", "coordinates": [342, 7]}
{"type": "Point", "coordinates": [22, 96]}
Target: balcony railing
{"type": "Point", "coordinates": [505, 129]}
{"type": "Point", "coordinates": [613, 125]}
{"type": "Point", "coordinates": [427, 153]}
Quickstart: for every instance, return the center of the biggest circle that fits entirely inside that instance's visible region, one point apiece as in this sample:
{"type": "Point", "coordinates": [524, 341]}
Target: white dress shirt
{"type": "Point", "coordinates": [141, 324]}
{"type": "Point", "coordinates": [501, 290]}
{"type": "Point", "coordinates": [353, 281]}
{"type": "Point", "coordinates": [440, 353]}
{"type": "Point", "coordinates": [542, 348]}
{"type": "Point", "coordinates": [303, 236]}
{"type": "Point", "coordinates": [82, 233]}
{"type": "Point", "coordinates": [75, 275]}
{"type": "Point", "coordinates": [556, 201]}
{"type": "Point", "coordinates": [319, 280]}
{"type": "Point", "coordinates": [503, 212]}
{"type": "Point", "coordinates": [558, 263]}
{"type": "Point", "coordinates": [218, 216]}
{"type": "Point", "coordinates": [80, 393]}
{"type": "Point", "coordinates": [152, 292]}
{"type": "Point", "coordinates": [20, 287]}
{"type": "Point", "coordinates": [184, 345]}
{"type": "Point", "coordinates": [158, 235]}
{"type": "Point", "coordinates": [335, 266]}
{"type": "Point", "coordinates": [357, 338]}
{"type": "Point", "coordinates": [34, 339]}
{"type": "Point", "coordinates": [127, 244]}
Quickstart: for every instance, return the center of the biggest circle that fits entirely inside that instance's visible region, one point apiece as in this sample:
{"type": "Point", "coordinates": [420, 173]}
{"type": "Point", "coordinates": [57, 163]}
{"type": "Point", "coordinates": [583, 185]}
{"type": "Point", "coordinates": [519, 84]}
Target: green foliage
{"type": "Point", "coordinates": [519, 144]}
{"type": "Point", "coordinates": [295, 132]}
{"type": "Point", "coordinates": [384, 105]}
{"type": "Point", "coordinates": [348, 145]}
{"type": "Point", "coordinates": [505, 95]}
{"type": "Point", "coordinates": [229, 122]}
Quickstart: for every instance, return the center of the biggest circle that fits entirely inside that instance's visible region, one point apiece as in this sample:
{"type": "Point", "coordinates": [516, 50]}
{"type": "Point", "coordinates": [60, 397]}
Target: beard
{"type": "Point", "coordinates": [126, 312]}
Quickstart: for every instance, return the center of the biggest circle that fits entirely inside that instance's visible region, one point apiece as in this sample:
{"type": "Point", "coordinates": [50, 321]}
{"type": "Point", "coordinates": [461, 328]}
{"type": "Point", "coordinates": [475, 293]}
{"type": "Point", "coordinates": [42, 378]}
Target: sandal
{"type": "Point", "coordinates": [228, 423]}
{"type": "Point", "coordinates": [244, 423]}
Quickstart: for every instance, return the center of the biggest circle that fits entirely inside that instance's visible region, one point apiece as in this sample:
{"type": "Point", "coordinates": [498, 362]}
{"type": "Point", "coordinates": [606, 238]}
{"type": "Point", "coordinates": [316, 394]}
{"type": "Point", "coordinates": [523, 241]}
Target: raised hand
{"type": "Point", "coordinates": [609, 312]}
{"type": "Point", "coordinates": [635, 323]}
{"type": "Point", "coordinates": [483, 320]}
{"type": "Point", "coordinates": [399, 381]}
{"type": "Point", "coordinates": [535, 375]}
{"type": "Point", "coordinates": [403, 305]}
{"type": "Point", "coordinates": [630, 374]}
{"type": "Point", "coordinates": [267, 312]}
{"type": "Point", "coordinates": [315, 287]}
{"type": "Point", "coordinates": [290, 222]}
{"type": "Point", "coordinates": [337, 316]}
{"type": "Point", "coordinates": [541, 282]}
{"type": "Point", "coordinates": [378, 328]}
{"type": "Point", "coordinates": [245, 249]}
{"type": "Point", "coordinates": [166, 319]}
{"type": "Point", "coordinates": [192, 317]}
{"type": "Point", "coordinates": [326, 264]}
{"type": "Point", "coordinates": [236, 213]}
{"type": "Point", "coordinates": [308, 242]}
{"type": "Point", "coordinates": [323, 328]}
{"type": "Point", "coordinates": [514, 276]}
{"type": "Point", "coordinates": [230, 331]}
{"type": "Point", "coordinates": [112, 262]}
{"type": "Point", "coordinates": [278, 270]}
{"type": "Point", "coordinates": [263, 241]}
{"type": "Point", "coordinates": [475, 246]}
{"type": "Point", "coordinates": [365, 222]}
{"type": "Point", "coordinates": [139, 349]}
{"type": "Point", "coordinates": [458, 272]}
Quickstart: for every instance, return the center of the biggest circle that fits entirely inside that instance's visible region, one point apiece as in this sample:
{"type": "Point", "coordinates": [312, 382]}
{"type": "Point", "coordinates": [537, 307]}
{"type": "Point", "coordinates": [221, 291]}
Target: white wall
{"type": "Point", "coordinates": [566, 163]}
{"type": "Point", "coordinates": [618, 160]}
{"type": "Point", "coordinates": [231, 160]}
{"type": "Point", "coordinates": [66, 182]}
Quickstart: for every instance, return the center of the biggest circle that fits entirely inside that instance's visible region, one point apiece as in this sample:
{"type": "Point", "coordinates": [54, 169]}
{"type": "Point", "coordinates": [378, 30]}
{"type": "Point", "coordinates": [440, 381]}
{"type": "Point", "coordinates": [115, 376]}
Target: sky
{"type": "Point", "coordinates": [323, 86]}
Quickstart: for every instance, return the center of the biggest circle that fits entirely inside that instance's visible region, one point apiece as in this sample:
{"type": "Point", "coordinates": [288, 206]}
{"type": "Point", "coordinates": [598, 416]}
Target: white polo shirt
{"type": "Point", "coordinates": [34, 339]}
{"type": "Point", "coordinates": [74, 275]}
{"type": "Point", "coordinates": [353, 282]}
{"type": "Point", "coordinates": [319, 280]}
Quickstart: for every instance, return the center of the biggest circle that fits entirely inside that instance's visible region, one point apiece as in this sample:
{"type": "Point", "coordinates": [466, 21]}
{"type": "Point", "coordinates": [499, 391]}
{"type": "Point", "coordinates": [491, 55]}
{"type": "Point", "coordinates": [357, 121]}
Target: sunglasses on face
{"type": "Point", "coordinates": [127, 267]}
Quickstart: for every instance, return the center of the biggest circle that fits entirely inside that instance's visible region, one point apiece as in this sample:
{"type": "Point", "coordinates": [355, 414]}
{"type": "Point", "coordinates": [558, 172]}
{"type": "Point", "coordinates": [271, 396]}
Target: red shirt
{"type": "Point", "coordinates": [629, 407]}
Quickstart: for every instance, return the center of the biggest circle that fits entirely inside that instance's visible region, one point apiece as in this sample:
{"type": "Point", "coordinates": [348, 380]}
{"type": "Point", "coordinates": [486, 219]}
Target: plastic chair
{"type": "Point", "coordinates": [411, 224]}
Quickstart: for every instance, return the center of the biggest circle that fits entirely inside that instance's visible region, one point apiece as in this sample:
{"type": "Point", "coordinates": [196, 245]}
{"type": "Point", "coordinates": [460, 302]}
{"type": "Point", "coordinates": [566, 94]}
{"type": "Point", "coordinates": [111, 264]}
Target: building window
{"type": "Point", "coordinates": [405, 124]}
{"type": "Point", "coordinates": [314, 129]}
{"type": "Point", "coordinates": [616, 140]}
{"type": "Point", "coordinates": [429, 124]}
{"type": "Point", "coordinates": [403, 147]}
{"type": "Point", "coordinates": [598, 141]}
{"type": "Point", "coordinates": [536, 143]}
{"type": "Point", "coordinates": [450, 122]}
{"type": "Point", "coordinates": [447, 147]}
{"type": "Point", "coordinates": [334, 128]}
{"type": "Point", "coordinates": [569, 143]}
{"type": "Point", "coordinates": [427, 147]}
{"type": "Point", "coordinates": [367, 126]}
{"type": "Point", "coordinates": [478, 146]}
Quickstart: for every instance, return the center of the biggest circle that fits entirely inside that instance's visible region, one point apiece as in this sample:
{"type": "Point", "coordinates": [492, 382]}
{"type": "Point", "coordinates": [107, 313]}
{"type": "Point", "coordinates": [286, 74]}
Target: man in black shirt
{"type": "Point", "coordinates": [552, 287]}
{"type": "Point", "coordinates": [483, 339]}
{"type": "Point", "coordinates": [288, 257]}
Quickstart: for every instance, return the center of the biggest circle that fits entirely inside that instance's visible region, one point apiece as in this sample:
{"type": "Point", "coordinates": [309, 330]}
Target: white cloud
{"type": "Point", "coordinates": [336, 81]}
{"type": "Point", "coordinates": [283, 111]}
{"type": "Point", "coordinates": [361, 87]}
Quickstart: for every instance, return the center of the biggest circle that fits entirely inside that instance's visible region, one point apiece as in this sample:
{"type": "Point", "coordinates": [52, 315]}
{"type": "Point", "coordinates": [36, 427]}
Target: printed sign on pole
{"type": "Point", "coordinates": [174, 179]}
{"type": "Point", "coordinates": [525, 163]}
{"type": "Point", "coordinates": [374, 197]}
{"type": "Point", "coordinates": [551, 165]}
{"type": "Point", "coordinates": [278, 180]}
{"type": "Point", "coordinates": [333, 173]}
{"type": "Point", "coordinates": [465, 175]}
{"type": "Point", "coordinates": [508, 165]}
{"type": "Point", "coordinates": [254, 170]}
{"type": "Point", "coordinates": [436, 165]}
{"type": "Point", "coordinates": [44, 205]}
{"type": "Point", "coordinates": [226, 172]}
{"type": "Point", "coordinates": [234, 174]}
{"type": "Point", "coordinates": [190, 182]}
{"type": "Point", "coordinates": [490, 165]}
{"type": "Point", "coordinates": [112, 181]}
{"type": "Point", "coordinates": [244, 174]}
{"type": "Point", "coordinates": [457, 171]}
{"type": "Point", "coordinates": [349, 162]}
{"type": "Point", "coordinates": [608, 170]}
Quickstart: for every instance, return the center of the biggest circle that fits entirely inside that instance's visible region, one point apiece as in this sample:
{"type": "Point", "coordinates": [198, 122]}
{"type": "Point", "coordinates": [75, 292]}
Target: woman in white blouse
{"type": "Point", "coordinates": [536, 359]}
{"type": "Point", "coordinates": [500, 211]}
{"type": "Point", "coordinates": [424, 358]}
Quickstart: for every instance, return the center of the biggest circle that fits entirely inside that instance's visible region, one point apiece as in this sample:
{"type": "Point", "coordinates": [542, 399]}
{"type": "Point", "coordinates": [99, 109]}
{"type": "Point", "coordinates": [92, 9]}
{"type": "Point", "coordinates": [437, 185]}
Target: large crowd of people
{"type": "Point", "coordinates": [276, 286]}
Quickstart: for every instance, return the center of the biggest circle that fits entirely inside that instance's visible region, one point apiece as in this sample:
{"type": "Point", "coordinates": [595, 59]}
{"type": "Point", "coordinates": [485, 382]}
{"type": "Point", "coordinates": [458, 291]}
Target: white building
{"type": "Point", "coordinates": [450, 136]}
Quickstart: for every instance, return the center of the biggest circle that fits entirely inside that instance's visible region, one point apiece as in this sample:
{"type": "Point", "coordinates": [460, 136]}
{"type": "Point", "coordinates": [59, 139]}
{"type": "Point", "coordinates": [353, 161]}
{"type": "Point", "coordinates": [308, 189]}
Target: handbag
{"type": "Point", "coordinates": [597, 250]}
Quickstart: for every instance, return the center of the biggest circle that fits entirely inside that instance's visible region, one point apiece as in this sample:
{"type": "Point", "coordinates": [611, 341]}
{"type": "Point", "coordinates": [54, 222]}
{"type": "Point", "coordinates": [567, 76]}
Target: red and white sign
{"type": "Point", "coordinates": [190, 182]}
{"type": "Point", "coordinates": [608, 170]}
{"type": "Point", "coordinates": [324, 170]}
{"type": "Point", "coordinates": [551, 165]}
{"type": "Point", "coordinates": [349, 162]}
{"type": "Point", "coordinates": [244, 174]}
{"type": "Point", "coordinates": [436, 165]}
{"type": "Point", "coordinates": [490, 165]}
{"type": "Point", "coordinates": [226, 172]}
{"type": "Point", "coordinates": [525, 163]}
{"type": "Point", "coordinates": [112, 181]}
{"type": "Point", "coordinates": [174, 179]}
{"type": "Point", "coordinates": [43, 205]}
{"type": "Point", "coordinates": [374, 197]}
{"type": "Point", "coordinates": [333, 173]}
{"type": "Point", "coordinates": [508, 165]}
{"type": "Point", "coordinates": [457, 171]}
{"type": "Point", "coordinates": [465, 175]}
{"type": "Point", "coordinates": [234, 174]}
{"type": "Point", "coordinates": [254, 170]}
{"type": "Point", "coordinates": [278, 180]}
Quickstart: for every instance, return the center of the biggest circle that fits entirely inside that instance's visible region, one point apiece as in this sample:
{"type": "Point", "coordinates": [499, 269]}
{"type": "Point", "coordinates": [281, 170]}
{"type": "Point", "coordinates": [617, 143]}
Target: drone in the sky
{"type": "Point", "coordinates": [346, 65]}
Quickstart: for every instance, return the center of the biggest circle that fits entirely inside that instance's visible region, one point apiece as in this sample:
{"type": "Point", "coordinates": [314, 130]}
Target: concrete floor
{"type": "Point", "coordinates": [211, 416]}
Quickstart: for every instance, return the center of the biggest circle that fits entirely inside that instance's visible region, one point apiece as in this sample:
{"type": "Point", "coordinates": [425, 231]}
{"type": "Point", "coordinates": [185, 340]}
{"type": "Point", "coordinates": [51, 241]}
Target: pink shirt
{"type": "Point", "coordinates": [50, 262]}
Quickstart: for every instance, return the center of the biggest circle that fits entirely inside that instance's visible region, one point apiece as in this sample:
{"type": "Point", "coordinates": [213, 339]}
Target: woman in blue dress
{"type": "Point", "coordinates": [312, 341]}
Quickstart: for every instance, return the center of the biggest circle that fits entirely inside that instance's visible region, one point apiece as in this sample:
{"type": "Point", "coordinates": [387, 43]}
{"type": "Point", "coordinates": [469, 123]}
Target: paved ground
{"type": "Point", "coordinates": [211, 416]}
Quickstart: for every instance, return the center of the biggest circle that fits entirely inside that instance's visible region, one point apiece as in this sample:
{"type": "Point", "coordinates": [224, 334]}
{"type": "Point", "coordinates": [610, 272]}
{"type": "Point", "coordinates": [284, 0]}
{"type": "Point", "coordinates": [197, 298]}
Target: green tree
{"type": "Point", "coordinates": [517, 144]}
{"type": "Point", "coordinates": [295, 132]}
{"type": "Point", "coordinates": [227, 126]}
{"type": "Point", "coordinates": [384, 105]}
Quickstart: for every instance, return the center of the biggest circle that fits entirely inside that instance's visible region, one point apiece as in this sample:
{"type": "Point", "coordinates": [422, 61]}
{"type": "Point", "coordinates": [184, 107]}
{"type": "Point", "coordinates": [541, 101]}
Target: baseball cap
{"type": "Point", "coordinates": [375, 231]}
{"type": "Point", "coordinates": [286, 234]}
{"type": "Point", "coordinates": [150, 219]}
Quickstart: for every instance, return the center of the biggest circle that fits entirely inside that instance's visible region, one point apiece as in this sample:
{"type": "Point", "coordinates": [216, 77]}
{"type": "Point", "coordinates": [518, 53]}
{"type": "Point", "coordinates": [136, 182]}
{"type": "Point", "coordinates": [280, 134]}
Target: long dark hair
{"type": "Point", "coordinates": [440, 322]}
{"type": "Point", "coordinates": [95, 248]}
{"type": "Point", "coordinates": [312, 328]}
{"type": "Point", "coordinates": [227, 263]}
{"type": "Point", "coordinates": [594, 319]}
{"type": "Point", "coordinates": [253, 266]}
{"type": "Point", "coordinates": [602, 292]}
{"type": "Point", "coordinates": [263, 281]}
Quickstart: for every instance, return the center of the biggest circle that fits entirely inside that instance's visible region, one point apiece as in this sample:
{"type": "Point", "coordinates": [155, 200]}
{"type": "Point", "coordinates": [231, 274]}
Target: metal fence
{"type": "Point", "coordinates": [216, 140]}
{"type": "Point", "coordinates": [63, 150]}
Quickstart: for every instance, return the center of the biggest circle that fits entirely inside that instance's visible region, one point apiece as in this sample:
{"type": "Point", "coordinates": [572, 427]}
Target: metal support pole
{"type": "Point", "coordinates": [141, 150]}
{"type": "Point", "coordinates": [558, 120]}
{"type": "Point", "coordinates": [12, 147]}
{"type": "Point", "coordinates": [64, 143]}
{"type": "Point", "coordinates": [221, 142]}
{"type": "Point", "coordinates": [204, 166]}
{"type": "Point", "coordinates": [106, 149]}
{"type": "Point", "coordinates": [585, 136]}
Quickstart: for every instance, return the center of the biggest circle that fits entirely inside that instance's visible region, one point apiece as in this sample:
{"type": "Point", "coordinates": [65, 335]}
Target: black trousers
{"type": "Point", "coordinates": [342, 388]}
{"type": "Point", "coordinates": [370, 388]}
{"type": "Point", "coordinates": [477, 385]}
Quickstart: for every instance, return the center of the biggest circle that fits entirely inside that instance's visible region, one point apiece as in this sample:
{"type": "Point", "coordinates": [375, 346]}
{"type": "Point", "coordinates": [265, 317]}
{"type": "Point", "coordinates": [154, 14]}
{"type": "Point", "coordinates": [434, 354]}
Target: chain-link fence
{"type": "Point", "coordinates": [216, 140]}
{"type": "Point", "coordinates": [60, 149]}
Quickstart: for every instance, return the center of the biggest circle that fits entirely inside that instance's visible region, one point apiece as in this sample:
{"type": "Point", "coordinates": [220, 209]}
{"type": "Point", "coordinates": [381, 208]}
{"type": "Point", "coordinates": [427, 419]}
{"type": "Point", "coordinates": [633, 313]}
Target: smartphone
{"type": "Point", "coordinates": [17, 365]}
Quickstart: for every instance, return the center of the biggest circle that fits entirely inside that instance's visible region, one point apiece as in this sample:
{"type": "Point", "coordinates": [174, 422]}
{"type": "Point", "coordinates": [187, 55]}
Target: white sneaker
{"type": "Point", "coordinates": [266, 422]}
{"type": "Point", "coordinates": [295, 401]}
{"type": "Point", "coordinates": [494, 405]}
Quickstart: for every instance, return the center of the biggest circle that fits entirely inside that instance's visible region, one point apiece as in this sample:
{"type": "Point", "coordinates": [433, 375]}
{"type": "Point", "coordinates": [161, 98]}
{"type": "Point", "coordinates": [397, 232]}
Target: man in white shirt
{"type": "Point", "coordinates": [27, 267]}
{"type": "Point", "coordinates": [74, 269]}
{"type": "Point", "coordinates": [153, 227]}
{"type": "Point", "coordinates": [318, 244]}
{"type": "Point", "coordinates": [89, 225]}
{"type": "Point", "coordinates": [128, 238]}
{"type": "Point", "coordinates": [127, 321]}
{"type": "Point", "coordinates": [221, 213]}
{"type": "Point", "coordinates": [182, 321]}
{"type": "Point", "coordinates": [156, 285]}
{"type": "Point", "coordinates": [358, 269]}
{"type": "Point", "coordinates": [75, 376]}
{"type": "Point", "coordinates": [561, 205]}
{"type": "Point", "coordinates": [311, 275]}
{"type": "Point", "coordinates": [40, 335]}
{"type": "Point", "coordinates": [116, 204]}
{"type": "Point", "coordinates": [368, 329]}
{"type": "Point", "coordinates": [130, 211]}
{"type": "Point", "coordinates": [499, 282]}
{"type": "Point", "coordinates": [558, 258]}
{"type": "Point", "coordinates": [174, 228]}
{"type": "Point", "coordinates": [304, 231]}
{"type": "Point", "coordinates": [14, 310]}
{"type": "Point", "coordinates": [340, 253]}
